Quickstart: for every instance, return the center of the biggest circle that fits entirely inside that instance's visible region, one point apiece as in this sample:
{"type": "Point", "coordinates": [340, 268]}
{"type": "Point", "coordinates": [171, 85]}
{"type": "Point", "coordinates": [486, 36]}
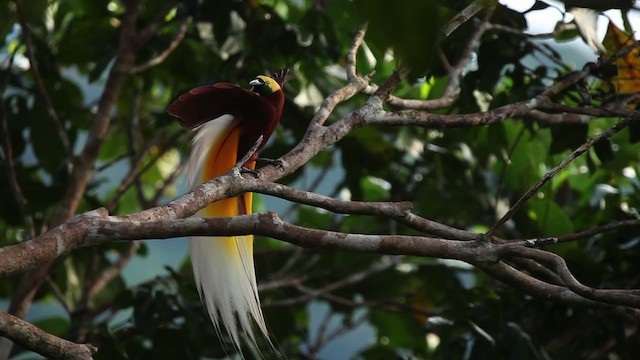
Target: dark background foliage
{"type": "Point", "coordinates": [399, 307]}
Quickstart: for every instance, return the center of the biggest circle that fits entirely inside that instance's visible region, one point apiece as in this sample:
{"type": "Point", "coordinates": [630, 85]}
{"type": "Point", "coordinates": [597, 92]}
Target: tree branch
{"type": "Point", "coordinates": [45, 344]}
{"type": "Point", "coordinates": [358, 39]}
{"type": "Point", "coordinates": [617, 297]}
{"type": "Point", "coordinates": [82, 165]}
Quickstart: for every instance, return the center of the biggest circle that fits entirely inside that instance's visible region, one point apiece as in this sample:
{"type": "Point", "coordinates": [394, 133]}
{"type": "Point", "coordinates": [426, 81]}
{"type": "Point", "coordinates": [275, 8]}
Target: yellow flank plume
{"type": "Point", "coordinates": [222, 156]}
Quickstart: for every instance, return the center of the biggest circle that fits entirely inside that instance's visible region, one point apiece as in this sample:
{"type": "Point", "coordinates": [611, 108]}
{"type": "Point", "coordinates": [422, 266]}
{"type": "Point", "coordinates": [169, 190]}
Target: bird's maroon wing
{"type": "Point", "coordinates": [209, 102]}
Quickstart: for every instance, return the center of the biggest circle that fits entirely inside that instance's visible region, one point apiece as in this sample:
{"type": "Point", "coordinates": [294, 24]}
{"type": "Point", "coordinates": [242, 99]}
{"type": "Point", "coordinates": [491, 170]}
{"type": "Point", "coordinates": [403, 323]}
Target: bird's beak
{"type": "Point", "coordinates": [255, 82]}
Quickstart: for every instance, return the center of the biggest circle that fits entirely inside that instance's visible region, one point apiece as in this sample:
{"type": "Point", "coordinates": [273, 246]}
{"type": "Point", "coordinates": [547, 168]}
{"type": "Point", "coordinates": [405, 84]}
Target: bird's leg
{"type": "Point", "coordinates": [240, 165]}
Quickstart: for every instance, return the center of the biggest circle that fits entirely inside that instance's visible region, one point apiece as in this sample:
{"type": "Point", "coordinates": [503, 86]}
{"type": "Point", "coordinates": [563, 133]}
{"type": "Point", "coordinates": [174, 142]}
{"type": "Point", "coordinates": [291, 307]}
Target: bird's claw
{"type": "Point", "coordinates": [275, 162]}
{"type": "Point", "coordinates": [246, 170]}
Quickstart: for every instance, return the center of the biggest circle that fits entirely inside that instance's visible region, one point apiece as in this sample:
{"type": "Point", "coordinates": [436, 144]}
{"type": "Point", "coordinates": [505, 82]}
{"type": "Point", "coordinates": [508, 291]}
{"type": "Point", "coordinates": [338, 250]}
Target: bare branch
{"type": "Point", "coordinates": [532, 286]}
{"type": "Point", "coordinates": [391, 209]}
{"type": "Point", "coordinates": [599, 230]}
{"type": "Point", "coordinates": [250, 154]}
{"type": "Point", "coordinates": [617, 297]}
{"type": "Point", "coordinates": [518, 109]}
{"type": "Point", "coordinates": [83, 164]}
{"type": "Point", "coordinates": [398, 211]}
{"type": "Point", "coordinates": [453, 84]}
{"type": "Point", "coordinates": [353, 51]}
{"type": "Point", "coordinates": [421, 118]}
{"type": "Point", "coordinates": [45, 344]}
{"type": "Point", "coordinates": [92, 230]}
{"type": "Point", "coordinates": [463, 16]}
{"type": "Point", "coordinates": [564, 118]}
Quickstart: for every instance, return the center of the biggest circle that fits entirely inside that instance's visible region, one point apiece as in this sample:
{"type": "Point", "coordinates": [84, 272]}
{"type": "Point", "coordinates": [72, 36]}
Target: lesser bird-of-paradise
{"type": "Point", "coordinates": [229, 121]}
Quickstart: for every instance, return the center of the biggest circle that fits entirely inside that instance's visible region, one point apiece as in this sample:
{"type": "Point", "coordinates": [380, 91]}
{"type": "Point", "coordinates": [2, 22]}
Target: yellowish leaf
{"type": "Point", "coordinates": [627, 79]}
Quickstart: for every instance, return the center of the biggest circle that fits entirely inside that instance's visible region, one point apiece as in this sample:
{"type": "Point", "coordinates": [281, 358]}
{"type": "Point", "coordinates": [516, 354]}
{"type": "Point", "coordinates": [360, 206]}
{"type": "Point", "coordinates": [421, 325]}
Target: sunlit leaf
{"type": "Point", "coordinates": [627, 79]}
{"type": "Point", "coordinates": [549, 217]}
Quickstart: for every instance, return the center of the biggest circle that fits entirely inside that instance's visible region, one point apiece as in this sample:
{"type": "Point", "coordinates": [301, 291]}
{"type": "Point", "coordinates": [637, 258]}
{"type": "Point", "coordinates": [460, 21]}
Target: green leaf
{"type": "Point", "coordinates": [566, 34]}
{"type": "Point", "coordinates": [603, 150]}
{"type": "Point", "coordinates": [634, 132]}
{"type": "Point", "coordinates": [398, 331]}
{"type": "Point", "coordinates": [45, 139]}
{"type": "Point", "coordinates": [314, 217]}
{"type": "Point", "coordinates": [567, 137]}
{"type": "Point", "coordinates": [57, 325]}
{"type": "Point", "coordinates": [416, 27]}
{"type": "Point", "coordinates": [549, 218]}
{"type": "Point", "coordinates": [374, 189]}
{"type": "Point", "coordinates": [33, 11]}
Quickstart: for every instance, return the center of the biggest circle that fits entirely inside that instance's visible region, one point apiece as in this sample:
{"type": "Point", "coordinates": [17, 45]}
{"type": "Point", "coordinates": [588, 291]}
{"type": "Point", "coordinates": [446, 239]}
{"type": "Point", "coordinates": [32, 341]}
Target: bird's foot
{"type": "Point", "coordinates": [275, 162]}
{"type": "Point", "coordinates": [246, 170]}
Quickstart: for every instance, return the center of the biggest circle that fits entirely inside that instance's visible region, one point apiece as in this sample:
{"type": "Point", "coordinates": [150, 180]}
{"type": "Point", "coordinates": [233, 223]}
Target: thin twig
{"type": "Point", "coordinates": [381, 265]}
{"type": "Point", "coordinates": [112, 271]}
{"type": "Point", "coordinates": [453, 84]}
{"type": "Point", "coordinates": [136, 171]}
{"type": "Point", "coordinates": [463, 16]}
{"type": "Point", "coordinates": [563, 164]}
{"type": "Point", "coordinates": [184, 25]}
{"type": "Point", "coordinates": [398, 211]}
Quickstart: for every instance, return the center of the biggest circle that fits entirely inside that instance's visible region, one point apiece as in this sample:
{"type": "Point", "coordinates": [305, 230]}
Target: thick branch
{"type": "Point", "coordinates": [618, 297]}
{"type": "Point", "coordinates": [99, 230]}
{"type": "Point", "coordinates": [532, 286]}
{"type": "Point", "coordinates": [83, 164]}
{"type": "Point", "coordinates": [422, 118]}
{"type": "Point", "coordinates": [92, 230]}
{"type": "Point", "coordinates": [45, 344]}
{"type": "Point", "coordinates": [398, 211]}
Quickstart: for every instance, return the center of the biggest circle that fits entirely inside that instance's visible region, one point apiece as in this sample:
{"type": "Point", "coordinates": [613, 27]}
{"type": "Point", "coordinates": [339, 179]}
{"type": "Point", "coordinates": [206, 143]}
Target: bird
{"type": "Point", "coordinates": [229, 121]}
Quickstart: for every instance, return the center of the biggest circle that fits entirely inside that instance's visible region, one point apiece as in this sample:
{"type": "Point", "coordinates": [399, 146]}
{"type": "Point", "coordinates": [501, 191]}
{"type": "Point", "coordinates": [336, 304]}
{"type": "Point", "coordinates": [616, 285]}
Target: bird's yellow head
{"type": "Point", "coordinates": [264, 85]}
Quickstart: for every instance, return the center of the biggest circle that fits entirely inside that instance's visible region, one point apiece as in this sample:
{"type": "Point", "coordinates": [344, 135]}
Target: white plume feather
{"type": "Point", "coordinates": [223, 266]}
{"type": "Point", "coordinates": [587, 22]}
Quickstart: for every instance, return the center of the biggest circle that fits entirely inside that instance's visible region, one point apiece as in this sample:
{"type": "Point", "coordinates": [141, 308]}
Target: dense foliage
{"type": "Point", "coordinates": [58, 57]}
